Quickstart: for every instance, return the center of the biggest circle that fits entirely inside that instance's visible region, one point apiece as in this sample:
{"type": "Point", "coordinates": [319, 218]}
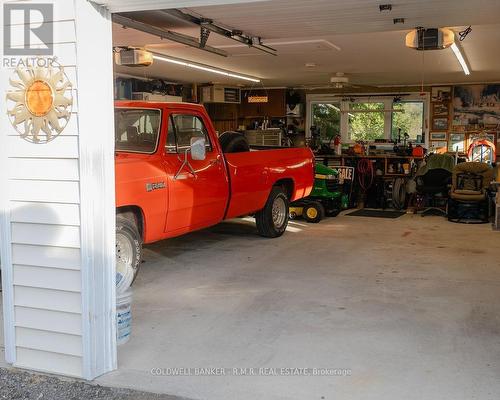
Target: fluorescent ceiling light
{"type": "Point", "coordinates": [460, 58]}
{"type": "Point", "coordinates": [204, 68]}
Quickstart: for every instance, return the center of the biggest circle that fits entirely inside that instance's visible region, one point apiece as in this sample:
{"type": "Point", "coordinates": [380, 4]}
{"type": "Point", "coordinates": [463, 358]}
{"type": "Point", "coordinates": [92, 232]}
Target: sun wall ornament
{"type": "Point", "coordinates": [42, 102]}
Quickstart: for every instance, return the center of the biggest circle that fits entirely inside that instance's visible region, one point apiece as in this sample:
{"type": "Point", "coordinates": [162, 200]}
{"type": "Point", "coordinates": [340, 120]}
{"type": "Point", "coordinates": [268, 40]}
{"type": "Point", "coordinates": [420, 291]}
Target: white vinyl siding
{"type": "Point", "coordinates": [50, 278]}
{"type": "Point", "coordinates": [45, 213]}
{"type": "Point", "coordinates": [46, 256]}
{"type": "Point", "coordinates": [44, 198]}
{"type": "Point", "coordinates": [42, 340]}
{"type": "Point", "coordinates": [45, 191]}
{"type": "Point", "coordinates": [49, 361]}
{"type": "Point", "coordinates": [48, 299]}
{"type": "Point", "coordinates": [48, 320]}
{"type": "Point", "coordinates": [57, 211]}
{"type": "Point", "coordinates": [63, 147]}
{"type": "Point", "coordinates": [44, 169]}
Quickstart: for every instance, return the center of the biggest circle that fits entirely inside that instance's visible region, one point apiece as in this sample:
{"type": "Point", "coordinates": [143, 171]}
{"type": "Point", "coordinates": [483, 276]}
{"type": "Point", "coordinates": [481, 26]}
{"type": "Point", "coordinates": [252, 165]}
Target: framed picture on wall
{"type": "Point", "coordinates": [441, 94]}
{"type": "Point", "coordinates": [439, 145]}
{"type": "Point", "coordinates": [456, 142]}
{"type": "Point", "coordinates": [440, 124]}
{"type": "Point", "coordinates": [440, 110]}
{"type": "Point", "coordinates": [476, 105]}
{"type": "Point", "coordinates": [438, 135]}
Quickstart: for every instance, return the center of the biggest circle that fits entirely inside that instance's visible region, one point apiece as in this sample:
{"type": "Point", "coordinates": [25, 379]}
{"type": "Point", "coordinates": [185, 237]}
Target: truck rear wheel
{"type": "Point", "coordinates": [128, 252]}
{"type": "Point", "coordinates": [272, 220]}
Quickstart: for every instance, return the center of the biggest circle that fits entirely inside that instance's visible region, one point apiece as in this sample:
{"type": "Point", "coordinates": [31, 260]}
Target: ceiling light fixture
{"type": "Point", "coordinates": [460, 58]}
{"type": "Point", "coordinates": [204, 68]}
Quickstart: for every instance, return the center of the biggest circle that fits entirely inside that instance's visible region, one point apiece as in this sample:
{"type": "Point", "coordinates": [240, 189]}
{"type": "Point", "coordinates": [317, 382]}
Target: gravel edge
{"type": "Point", "coordinates": [16, 384]}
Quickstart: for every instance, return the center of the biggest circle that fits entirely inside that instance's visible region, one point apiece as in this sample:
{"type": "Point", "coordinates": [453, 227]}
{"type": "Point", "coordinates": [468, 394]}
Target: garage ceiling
{"type": "Point", "coordinates": [141, 5]}
{"type": "Point", "coordinates": [347, 36]}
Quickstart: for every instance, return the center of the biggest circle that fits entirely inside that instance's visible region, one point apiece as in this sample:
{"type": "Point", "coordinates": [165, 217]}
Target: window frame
{"type": "Point", "coordinates": [386, 98]}
{"type": "Point", "coordinates": [160, 126]}
{"type": "Point", "coordinates": [423, 114]}
{"type": "Point", "coordinates": [169, 148]}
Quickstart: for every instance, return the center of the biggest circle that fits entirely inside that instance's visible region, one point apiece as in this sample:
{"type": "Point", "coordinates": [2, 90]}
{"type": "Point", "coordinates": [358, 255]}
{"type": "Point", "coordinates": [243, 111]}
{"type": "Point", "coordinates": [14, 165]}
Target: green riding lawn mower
{"type": "Point", "coordinates": [328, 196]}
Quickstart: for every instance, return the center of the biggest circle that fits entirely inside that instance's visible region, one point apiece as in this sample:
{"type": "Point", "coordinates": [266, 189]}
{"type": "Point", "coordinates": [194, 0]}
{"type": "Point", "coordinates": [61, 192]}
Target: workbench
{"type": "Point", "coordinates": [382, 161]}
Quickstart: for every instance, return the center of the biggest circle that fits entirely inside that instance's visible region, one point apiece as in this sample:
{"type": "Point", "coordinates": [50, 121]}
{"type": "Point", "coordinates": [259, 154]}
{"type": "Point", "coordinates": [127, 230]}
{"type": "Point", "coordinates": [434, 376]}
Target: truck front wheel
{"type": "Point", "coordinates": [128, 252]}
{"type": "Point", "coordinates": [272, 220]}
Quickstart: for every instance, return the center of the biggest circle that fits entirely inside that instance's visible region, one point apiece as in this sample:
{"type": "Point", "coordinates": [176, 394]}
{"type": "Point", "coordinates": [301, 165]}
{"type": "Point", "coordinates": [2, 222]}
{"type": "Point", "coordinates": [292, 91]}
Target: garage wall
{"type": "Point", "coordinates": [57, 260]}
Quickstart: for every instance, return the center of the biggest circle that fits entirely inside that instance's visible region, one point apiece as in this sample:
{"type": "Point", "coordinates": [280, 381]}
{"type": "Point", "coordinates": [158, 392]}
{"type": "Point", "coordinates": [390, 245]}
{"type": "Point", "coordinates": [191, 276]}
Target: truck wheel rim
{"type": "Point", "coordinates": [124, 254]}
{"type": "Point", "coordinates": [279, 212]}
{"type": "Point", "coordinates": [312, 213]}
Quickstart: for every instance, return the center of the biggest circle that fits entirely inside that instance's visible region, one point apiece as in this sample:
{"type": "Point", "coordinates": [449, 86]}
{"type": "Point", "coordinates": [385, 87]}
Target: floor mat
{"type": "Point", "coordinates": [377, 213]}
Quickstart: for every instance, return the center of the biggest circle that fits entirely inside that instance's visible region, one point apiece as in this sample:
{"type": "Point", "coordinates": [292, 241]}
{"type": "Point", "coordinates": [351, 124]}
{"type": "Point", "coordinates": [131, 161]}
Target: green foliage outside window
{"type": "Point", "coordinates": [327, 118]}
{"type": "Point", "coordinates": [366, 125]}
{"type": "Point", "coordinates": [410, 121]}
{"type": "Point", "coordinates": [366, 121]}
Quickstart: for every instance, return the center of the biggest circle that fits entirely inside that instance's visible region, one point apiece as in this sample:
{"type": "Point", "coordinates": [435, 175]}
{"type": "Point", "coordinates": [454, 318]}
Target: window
{"type": "Point", "coordinates": [137, 130]}
{"type": "Point", "coordinates": [410, 120]}
{"type": "Point", "coordinates": [368, 117]}
{"type": "Point", "coordinates": [366, 121]}
{"type": "Point", "coordinates": [326, 117]}
{"type": "Point", "coordinates": [183, 127]}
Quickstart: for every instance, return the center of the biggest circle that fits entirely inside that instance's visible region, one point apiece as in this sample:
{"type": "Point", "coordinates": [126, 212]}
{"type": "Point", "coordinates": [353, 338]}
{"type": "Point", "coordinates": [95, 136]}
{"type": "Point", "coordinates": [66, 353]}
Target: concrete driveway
{"type": "Point", "coordinates": [387, 309]}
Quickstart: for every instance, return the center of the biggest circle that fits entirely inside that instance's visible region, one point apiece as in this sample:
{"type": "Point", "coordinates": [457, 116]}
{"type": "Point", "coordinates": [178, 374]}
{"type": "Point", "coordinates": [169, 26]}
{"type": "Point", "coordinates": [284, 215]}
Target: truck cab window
{"type": "Point", "coordinates": [170, 145]}
{"type": "Point", "coordinates": [137, 130]}
{"type": "Point", "coordinates": [182, 128]}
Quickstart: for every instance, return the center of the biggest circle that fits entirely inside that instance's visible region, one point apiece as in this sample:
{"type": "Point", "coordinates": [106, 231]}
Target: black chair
{"type": "Point", "coordinates": [432, 191]}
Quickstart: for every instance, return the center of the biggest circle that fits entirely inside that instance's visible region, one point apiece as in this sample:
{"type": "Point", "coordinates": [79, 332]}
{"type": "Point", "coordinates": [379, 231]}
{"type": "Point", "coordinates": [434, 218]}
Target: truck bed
{"type": "Point", "coordinates": [251, 174]}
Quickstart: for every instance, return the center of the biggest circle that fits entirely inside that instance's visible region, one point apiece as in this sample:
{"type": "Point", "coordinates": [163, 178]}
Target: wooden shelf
{"type": "Point", "coordinates": [375, 156]}
{"type": "Point", "coordinates": [261, 116]}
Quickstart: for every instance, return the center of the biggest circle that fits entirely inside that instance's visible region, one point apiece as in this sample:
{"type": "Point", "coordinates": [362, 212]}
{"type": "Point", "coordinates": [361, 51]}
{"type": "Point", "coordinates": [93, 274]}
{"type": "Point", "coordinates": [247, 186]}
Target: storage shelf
{"type": "Point", "coordinates": [262, 116]}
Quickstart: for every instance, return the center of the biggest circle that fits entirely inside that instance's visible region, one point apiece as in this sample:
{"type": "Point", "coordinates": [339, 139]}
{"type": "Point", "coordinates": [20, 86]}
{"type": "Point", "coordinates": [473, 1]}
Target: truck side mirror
{"type": "Point", "coordinates": [198, 148]}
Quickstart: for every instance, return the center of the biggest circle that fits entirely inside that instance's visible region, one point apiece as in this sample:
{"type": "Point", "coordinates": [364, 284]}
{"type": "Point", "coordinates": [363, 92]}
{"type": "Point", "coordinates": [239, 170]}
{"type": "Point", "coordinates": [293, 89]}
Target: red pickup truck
{"type": "Point", "coordinates": [172, 177]}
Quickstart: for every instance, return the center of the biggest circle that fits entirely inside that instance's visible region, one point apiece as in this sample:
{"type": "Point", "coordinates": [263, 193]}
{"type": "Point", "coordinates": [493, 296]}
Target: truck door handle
{"type": "Point", "coordinates": [216, 160]}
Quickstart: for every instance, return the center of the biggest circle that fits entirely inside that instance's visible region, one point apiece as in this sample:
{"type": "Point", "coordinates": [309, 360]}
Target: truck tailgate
{"type": "Point", "coordinates": [252, 175]}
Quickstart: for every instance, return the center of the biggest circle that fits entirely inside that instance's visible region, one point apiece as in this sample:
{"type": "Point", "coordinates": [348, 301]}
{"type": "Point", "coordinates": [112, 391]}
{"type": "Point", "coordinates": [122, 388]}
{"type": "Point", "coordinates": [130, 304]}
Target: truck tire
{"type": "Point", "coordinates": [128, 252]}
{"type": "Point", "coordinates": [233, 142]}
{"type": "Point", "coordinates": [313, 212]}
{"type": "Point", "coordinates": [272, 220]}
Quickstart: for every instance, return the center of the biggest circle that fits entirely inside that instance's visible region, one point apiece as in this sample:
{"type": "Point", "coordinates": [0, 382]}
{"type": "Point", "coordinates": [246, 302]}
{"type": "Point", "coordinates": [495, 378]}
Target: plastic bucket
{"type": "Point", "coordinates": [124, 280]}
{"type": "Point", "coordinates": [123, 317]}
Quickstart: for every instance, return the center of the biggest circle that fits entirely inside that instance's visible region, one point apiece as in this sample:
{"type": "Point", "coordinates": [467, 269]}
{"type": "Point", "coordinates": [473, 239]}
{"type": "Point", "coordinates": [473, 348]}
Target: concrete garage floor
{"type": "Point", "coordinates": [410, 306]}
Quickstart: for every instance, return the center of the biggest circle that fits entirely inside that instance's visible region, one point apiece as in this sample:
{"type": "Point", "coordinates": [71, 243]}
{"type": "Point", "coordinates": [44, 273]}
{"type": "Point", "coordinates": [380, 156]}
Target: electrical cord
{"type": "Point", "coordinates": [463, 34]}
{"type": "Point", "coordinates": [366, 174]}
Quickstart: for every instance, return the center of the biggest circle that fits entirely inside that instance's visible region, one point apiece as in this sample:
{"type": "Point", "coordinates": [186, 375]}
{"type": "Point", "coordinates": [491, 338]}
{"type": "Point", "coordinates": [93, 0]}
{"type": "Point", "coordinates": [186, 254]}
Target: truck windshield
{"type": "Point", "coordinates": [137, 129]}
